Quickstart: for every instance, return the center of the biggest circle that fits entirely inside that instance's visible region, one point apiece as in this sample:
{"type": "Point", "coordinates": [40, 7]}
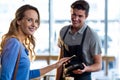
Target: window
{"type": "Point", "coordinates": [56, 14]}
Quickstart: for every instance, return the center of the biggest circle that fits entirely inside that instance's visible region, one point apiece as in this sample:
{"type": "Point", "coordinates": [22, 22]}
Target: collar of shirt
{"type": "Point", "coordinates": [81, 30]}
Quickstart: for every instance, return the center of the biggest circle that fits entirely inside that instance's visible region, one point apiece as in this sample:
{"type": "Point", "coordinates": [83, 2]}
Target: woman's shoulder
{"type": "Point", "coordinates": [13, 41]}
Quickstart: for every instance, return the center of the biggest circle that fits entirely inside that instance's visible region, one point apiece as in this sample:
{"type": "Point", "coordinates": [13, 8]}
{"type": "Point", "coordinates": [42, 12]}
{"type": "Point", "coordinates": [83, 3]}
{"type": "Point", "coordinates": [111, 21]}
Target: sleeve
{"type": "Point", "coordinates": [59, 42]}
{"type": "Point", "coordinates": [96, 45]}
{"type": "Point", "coordinates": [9, 57]}
{"type": "Point", "coordinates": [61, 34]}
{"type": "Point", "coordinates": [34, 73]}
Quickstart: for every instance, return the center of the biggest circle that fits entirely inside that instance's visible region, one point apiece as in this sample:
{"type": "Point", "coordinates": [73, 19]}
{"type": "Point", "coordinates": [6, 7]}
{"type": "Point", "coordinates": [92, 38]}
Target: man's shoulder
{"type": "Point", "coordinates": [92, 34]}
{"type": "Point", "coordinates": [91, 30]}
{"type": "Point", "coordinates": [65, 27]}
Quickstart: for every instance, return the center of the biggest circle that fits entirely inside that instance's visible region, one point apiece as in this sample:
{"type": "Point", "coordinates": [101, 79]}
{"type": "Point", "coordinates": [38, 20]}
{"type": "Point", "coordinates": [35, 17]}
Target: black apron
{"type": "Point", "coordinates": [78, 51]}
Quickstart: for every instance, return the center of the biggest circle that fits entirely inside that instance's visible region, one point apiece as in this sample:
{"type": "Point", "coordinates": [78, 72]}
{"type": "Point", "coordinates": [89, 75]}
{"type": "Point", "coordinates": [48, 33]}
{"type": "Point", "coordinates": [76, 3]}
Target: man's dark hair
{"type": "Point", "coordinates": [81, 4]}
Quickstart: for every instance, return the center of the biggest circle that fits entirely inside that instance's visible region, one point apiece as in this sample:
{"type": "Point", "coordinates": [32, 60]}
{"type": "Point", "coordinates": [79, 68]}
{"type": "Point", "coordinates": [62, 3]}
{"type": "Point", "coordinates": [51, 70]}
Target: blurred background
{"type": "Point", "coordinates": [104, 18]}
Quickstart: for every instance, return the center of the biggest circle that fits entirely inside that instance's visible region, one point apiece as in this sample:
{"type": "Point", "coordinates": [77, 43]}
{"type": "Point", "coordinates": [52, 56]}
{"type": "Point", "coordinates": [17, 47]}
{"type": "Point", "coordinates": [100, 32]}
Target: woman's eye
{"type": "Point", "coordinates": [36, 21]}
{"type": "Point", "coordinates": [29, 19]}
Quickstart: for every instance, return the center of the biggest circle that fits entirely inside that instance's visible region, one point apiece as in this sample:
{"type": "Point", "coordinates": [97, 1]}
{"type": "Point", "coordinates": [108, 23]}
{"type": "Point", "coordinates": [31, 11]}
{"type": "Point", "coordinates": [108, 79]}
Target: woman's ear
{"type": "Point", "coordinates": [19, 22]}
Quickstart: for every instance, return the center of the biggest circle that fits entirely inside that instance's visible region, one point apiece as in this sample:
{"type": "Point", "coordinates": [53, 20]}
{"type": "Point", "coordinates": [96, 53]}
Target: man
{"type": "Point", "coordinates": [80, 40]}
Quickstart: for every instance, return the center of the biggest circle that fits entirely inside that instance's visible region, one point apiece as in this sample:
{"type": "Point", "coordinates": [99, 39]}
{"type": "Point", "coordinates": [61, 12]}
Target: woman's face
{"type": "Point", "coordinates": [29, 24]}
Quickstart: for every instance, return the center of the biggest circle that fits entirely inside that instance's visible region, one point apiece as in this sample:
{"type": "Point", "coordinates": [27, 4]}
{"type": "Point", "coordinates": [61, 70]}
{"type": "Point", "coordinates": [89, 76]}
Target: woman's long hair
{"type": "Point", "coordinates": [13, 30]}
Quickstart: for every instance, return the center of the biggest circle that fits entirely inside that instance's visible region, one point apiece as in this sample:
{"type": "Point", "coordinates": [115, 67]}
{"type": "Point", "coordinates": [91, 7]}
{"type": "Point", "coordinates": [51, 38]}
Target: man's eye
{"type": "Point", "coordinates": [80, 16]}
{"type": "Point", "coordinates": [74, 14]}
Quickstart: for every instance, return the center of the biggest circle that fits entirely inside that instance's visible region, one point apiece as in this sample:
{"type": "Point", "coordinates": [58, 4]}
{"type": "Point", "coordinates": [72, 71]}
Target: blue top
{"type": "Point", "coordinates": [9, 57]}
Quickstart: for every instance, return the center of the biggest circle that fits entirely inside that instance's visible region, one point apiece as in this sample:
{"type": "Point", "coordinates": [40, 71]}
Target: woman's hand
{"type": "Point", "coordinates": [53, 66]}
{"type": "Point", "coordinates": [61, 61]}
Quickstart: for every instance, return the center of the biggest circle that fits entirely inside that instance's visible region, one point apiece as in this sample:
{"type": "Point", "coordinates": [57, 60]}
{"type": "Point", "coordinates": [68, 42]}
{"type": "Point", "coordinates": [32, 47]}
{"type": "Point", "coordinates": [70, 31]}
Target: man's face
{"type": "Point", "coordinates": [78, 17]}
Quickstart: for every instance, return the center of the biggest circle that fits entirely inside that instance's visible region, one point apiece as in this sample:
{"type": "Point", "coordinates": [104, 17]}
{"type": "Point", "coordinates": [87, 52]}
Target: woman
{"type": "Point", "coordinates": [20, 39]}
